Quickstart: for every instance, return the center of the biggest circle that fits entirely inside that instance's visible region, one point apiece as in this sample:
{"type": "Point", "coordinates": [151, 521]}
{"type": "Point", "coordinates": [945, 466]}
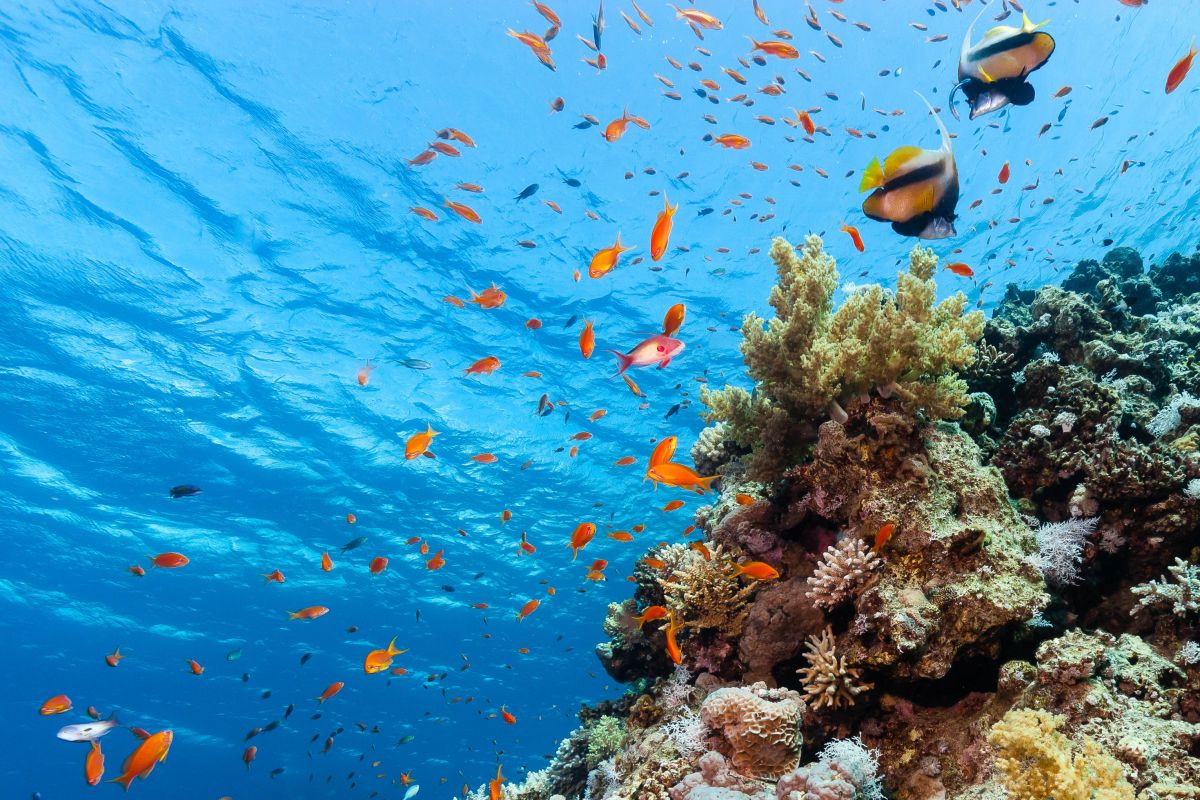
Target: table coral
{"type": "Point", "coordinates": [808, 359]}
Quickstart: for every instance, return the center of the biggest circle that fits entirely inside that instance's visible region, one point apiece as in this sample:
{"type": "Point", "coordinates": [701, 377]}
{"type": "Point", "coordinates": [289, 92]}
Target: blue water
{"type": "Point", "coordinates": [205, 225]}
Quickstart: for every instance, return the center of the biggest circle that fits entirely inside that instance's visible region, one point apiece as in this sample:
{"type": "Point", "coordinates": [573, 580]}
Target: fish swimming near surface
{"type": "Point", "coordinates": [992, 73]}
{"type": "Point", "coordinates": [914, 189]}
{"type": "Point", "coordinates": [184, 490]}
{"type": "Point", "coordinates": [88, 731]}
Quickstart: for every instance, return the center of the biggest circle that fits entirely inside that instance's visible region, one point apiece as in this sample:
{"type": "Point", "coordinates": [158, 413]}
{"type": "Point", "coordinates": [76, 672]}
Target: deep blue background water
{"type": "Point", "coordinates": [204, 232]}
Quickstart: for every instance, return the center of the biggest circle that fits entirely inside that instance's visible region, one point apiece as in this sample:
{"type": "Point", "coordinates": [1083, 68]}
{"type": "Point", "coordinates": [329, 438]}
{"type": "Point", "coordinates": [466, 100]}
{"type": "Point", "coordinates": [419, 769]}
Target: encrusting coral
{"type": "Point", "coordinates": [760, 726]}
{"type": "Point", "coordinates": [809, 360]}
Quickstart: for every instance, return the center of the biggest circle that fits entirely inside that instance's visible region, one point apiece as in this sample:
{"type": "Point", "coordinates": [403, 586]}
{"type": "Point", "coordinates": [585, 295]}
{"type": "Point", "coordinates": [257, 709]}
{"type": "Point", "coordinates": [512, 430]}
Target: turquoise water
{"type": "Point", "coordinates": [206, 233]}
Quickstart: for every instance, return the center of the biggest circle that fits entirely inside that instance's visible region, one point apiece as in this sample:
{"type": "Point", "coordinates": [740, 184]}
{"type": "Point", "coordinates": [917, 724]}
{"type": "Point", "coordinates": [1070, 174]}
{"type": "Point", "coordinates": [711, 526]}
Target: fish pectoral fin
{"type": "Point", "coordinates": [872, 177]}
{"type": "Point", "coordinates": [985, 77]}
{"type": "Point", "coordinates": [899, 157]}
{"type": "Point", "coordinates": [924, 200]}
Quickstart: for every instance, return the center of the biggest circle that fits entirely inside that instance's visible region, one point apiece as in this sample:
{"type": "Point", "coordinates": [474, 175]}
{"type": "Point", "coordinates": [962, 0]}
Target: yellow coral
{"type": "Point", "coordinates": [809, 356]}
{"type": "Point", "coordinates": [1036, 761]}
{"type": "Point", "coordinates": [700, 591]}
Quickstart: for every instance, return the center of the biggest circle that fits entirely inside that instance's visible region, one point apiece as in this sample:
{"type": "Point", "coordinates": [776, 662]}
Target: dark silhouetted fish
{"type": "Point", "coordinates": [528, 191]}
{"type": "Point", "coordinates": [184, 490]}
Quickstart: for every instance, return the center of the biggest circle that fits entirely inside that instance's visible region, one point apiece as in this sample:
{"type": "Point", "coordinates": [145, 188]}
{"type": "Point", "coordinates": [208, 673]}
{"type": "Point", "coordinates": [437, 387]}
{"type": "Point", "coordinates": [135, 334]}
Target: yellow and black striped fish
{"type": "Point", "coordinates": [992, 73]}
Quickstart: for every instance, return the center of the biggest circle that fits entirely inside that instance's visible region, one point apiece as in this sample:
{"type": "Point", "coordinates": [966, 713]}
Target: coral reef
{"type": "Point", "coordinates": [976, 563]}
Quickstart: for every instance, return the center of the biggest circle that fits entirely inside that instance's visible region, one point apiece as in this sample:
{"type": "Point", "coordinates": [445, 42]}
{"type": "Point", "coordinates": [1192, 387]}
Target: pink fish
{"type": "Point", "coordinates": [658, 349]}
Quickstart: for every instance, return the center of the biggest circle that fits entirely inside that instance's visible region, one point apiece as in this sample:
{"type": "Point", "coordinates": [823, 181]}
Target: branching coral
{"type": "Point", "coordinates": [808, 357]}
{"type": "Point", "coordinates": [827, 680]}
{"type": "Point", "coordinates": [761, 726]}
{"type": "Point", "coordinates": [844, 570]}
{"type": "Point", "coordinates": [700, 591]}
{"type": "Point", "coordinates": [605, 738]}
{"type": "Point", "coordinates": [1036, 761]}
{"type": "Point", "coordinates": [1183, 596]}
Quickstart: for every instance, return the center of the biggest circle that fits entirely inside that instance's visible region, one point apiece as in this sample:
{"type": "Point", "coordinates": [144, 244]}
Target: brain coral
{"type": "Point", "coordinates": [761, 727]}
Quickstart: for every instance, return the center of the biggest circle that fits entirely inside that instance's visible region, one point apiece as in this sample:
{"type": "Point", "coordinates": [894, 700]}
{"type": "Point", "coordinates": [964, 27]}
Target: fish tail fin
{"type": "Point", "coordinates": [391, 648]}
{"type": "Point", "coordinates": [124, 780]}
{"type": "Point", "coordinates": [754, 45]}
{"type": "Point", "coordinates": [872, 177]}
{"type": "Point", "coordinates": [668, 208]}
{"type": "Point", "coordinates": [706, 483]}
{"type": "Point", "coordinates": [941, 126]}
{"type": "Point", "coordinates": [295, 614]}
{"type": "Point", "coordinates": [623, 362]}
{"type": "Point", "coordinates": [112, 717]}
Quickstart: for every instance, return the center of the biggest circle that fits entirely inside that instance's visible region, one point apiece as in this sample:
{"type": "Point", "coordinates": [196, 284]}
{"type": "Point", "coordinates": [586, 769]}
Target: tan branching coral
{"type": "Point", "coordinates": [702, 594]}
{"type": "Point", "coordinates": [827, 680]}
{"type": "Point", "coordinates": [808, 357]}
{"type": "Point", "coordinates": [1035, 760]}
{"type": "Point", "coordinates": [845, 569]}
{"type": "Point", "coordinates": [761, 726]}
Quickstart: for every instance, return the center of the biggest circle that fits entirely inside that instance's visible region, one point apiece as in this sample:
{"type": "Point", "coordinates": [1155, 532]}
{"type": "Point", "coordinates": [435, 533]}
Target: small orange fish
{"type": "Point", "coordinates": [142, 761]}
{"type": "Point", "coordinates": [654, 563]}
{"type": "Point", "coordinates": [195, 667]}
{"type": "Point", "coordinates": [435, 563]}
{"type": "Point", "coordinates": [484, 366]}
{"type": "Point", "coordinates": [616, 129]}
{"type": "Point", "coordinates": [605, 260]}
{"type": "Point", "coordinates": [330, 691]}
{"type": "Point", "coordinates": [138, 571]}
{"type": "Point", "coordinates": [650, 614]}
{"type": "Point", "coordinates": [310, 613]}
{"type": "Point", "coordinates": [463, 210]}
{"type": "Point", "coordinates": [1004, 173]}
{"type": "Point", "coordinates": [326, 562]}
{"type": "Point", "coordinates": [580, 537]}
{"type": "Point", "coordinates": [1181, 68]}
{"type": "Point", "coordinates": [424, 213]}
{"type": "Point", "coordinates": [507, 717]}
{"type": "Point", "coordinates": [422, 158]}
{"type": "Point", "coordinates": [351, 519]}
{"type": "Point", "coordinates": [93, 766]}
{"type": "Point", "coordinates": [661, 234]}
{"type": "Point", "coordinates": [884, 535]}
{"type": "Point", "coordinates": [484, 458]}
{"type": "Point", "coordinates": [673, 320]}
{"type": "Point", "coordinates": [633, 387]}
{"type": "Point", "coordinates": [961, 269]}
{"type": "Point", "coordinates": [854, 236]}
{"type": "Point", "coordinates": [496, 786]}
{"type": "Point", "coordinates": [378, 564]}
{"type": "Point", "coordinates": [525, 546]}
{"type": "Point", "coordinates": [380, 660]}
{"type": "Point", "coordinates": [248, 755]}
{"type": "Point", "coordinates": [732, 141]}
{"type": "Point", "coordinates": [469, 187]}
{"type": "Point", "coordinates": [624, 461]}
{"type": "Point", "coordinates": [621, 536]}
{"type": "Point", "coordinates": [170, 560]}
{"type": "Point", "coordinates": [418, 443]}
{"type": "Point", "coordinates": [59, 704]}
{"type": "Point", "coordinates": [491, 297]}
{"type": "Point", "coordinates": [662, 452]}
{"type": "Point", "coordinates": [274, 577]}
{"type": "Point", "coordinates": [772, 48]}
{"type": "Point", "coordinates": [114, 659]}
{"type": "Point", "coordinates": [743, 499]}
{"type": "Point", "coordinates": [454, 301]}
{"type": "Point", "coordinates": [597, 414]}
{"type": "Point", "coordinates": [700, 548]}
{"type": "Point", "coordinates": [505, 516]}
{"type": "Point", "coordinates": [528, 609]}
{"type": "Point", "coordinates": [587, 339]}
{"type": "Point", "coordinates": [531, 374]}
{"type": "Point", "coordinates": [757, 570]}
{"type": "Point", "coordinates": [638, 528]}
{"type": "Point", "coordinates": [582, 436]}
{"type": "Point", "coordinates": [672, 644]}
{"type": "Point", "coordinates": [446, 149]}
{"type": "Point", "coordinates": [674, 504]}
{"type": "Point", "coordinates": [533, 324]}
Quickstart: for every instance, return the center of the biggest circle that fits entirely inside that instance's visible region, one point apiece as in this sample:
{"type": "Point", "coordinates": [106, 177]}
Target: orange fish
{"type": "Point", "coordinates": [424, 213]}
{"type": "Point", "coordinates": [695, 16]}
{"type": "Point", "coordinates": [854, 236]}
{"type": "Point", "coordinates": [673, 320]}
{"type": "Point", "coordinates": [378, 565]}
{"type": "Point", "coordinates": [59, 704]}
{"type": "Point", "coordinates": [1004, 173]}
{"type": "Point", "coordinates": [274, 577]}
{"type": "Point", "coordinates": [624, 461]}
{"type": "Point", "coordinates": [582, 436]}
{"type": "Point", "coordinates": [649, 614]}
{"type": "Point", "coordinates": [458, 136]}
{"type": "Point", "coordinates": [654, 563]}
{"type": "Point", "coordinates": [674, 504]}
{"type": "Point", "coordinates": [743, 499]}
{"type": "Point", "coordinates": [380, 660]}
{"type": "Point", "coordinates": [1180, 70]}
{"type": "Point", "coordinates": [661, 234]}
{"type": "Point", "coordinates": [93, 767]}
{"type": "Point", "coordinates": [248, 755]}
{"type": "Point", "coordinates": [533, 324]}
{"type": "Point", "coordinates": [437, 562]}
{"type": "Point", "coordinates": [587, 339]}
{"type": "Point", "coordinates": [680, 476]}
{"type": "Point", "coordinates": [446, 149]}
{"type": "Point", "coordinates": [699, 547]}
{"type": "Point", "coordinates": [605, 260]}
{"type": "Point", "coordinates": [582, 534]}
{"type": "Point", "coordinates": [525, 546]}
{"type": "Point", "coordinates": [616, 129]}
{"type": "Point", "coordinates": [330, 691]}
{"type": "Point", "coordinates": [491, 297]}
{"type": "Point", "coordinates": [310, 613]}
{"type": "Point", "coordinates": [496, 786]}
{"type": "Point", "coordinates": [463, 210]}
{"type": "Point", "coordinates": [469, 187]}
{"type": "Point", "coordinates": [351, 519]}
{"type": "Point", "coordinates": [505, 516]}
{"type": "Point", "coordinates": [195, 667]}
{"type": "Point", "coordinates": [507, 717]}
{"type": "Point", "coordinates": [621, 536]}
{"type": "Point", "coordinates": [142, 761]}
{"type": "Point", "coordinates": [422, 158]}
{"type": "Point", "coordinates": [484, 366]}
{"type": "Point", "coordinates": [961, 269]}
{"type": "Point", "coordinates": [528, 609]}
{"type": "Point", "coordinates": [454, 301]}
{"type": "Point", "coordinates": [662, 452]}
{"type": "Point", "coordinates": [732, 141]}
{"type": "Point", "coordinates": [114, 659]}
{"type": "Point", "coordinates": [757, 570]}
{"type": "Point", "coordinates": [169, 560]}
{"type": "Point", "coordinates": [138, 571]}
{"type": "Point", "coordinates": [597, 414]}
{"type": "Point", "coordinates": [778, 49]}
{"type": "Point", "coordinates": [672, 645]}
{"type": "Point", "coordinates": [806, 122]}
{"type": "Point", "coordinates": [884, 534]}
{"type": "Point", "coordinates": [484, 458]}
{"type": "Point", "coordinates": [326, 562]}
{"type": "Point", "coordinates": [418, 443]}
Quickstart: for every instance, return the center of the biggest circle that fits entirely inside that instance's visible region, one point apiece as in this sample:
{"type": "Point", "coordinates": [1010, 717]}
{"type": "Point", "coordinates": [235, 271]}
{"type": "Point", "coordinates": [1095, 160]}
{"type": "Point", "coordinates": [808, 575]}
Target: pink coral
{"type": "Point", "coordinates": [761, 726]}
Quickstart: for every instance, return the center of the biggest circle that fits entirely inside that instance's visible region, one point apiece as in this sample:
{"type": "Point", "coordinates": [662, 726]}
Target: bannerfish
{"type": "Point", "coordinates": [88, 731]}
{"type": "Point", "coordinates": [914, 189]}
{"type": "Point", "coordinates": [992, 73]}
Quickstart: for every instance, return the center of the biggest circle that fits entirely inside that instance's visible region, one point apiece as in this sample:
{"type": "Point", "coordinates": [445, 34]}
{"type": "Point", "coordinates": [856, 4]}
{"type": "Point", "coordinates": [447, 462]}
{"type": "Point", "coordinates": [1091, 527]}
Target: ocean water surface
{"type": "Point", "coordinates": [207, 233]}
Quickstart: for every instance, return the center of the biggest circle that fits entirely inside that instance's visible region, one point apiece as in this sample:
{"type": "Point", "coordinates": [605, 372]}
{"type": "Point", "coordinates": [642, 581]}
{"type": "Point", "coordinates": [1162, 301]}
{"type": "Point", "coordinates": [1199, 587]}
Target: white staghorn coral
{"type": "Point", "coordinates": [1183, 595]}
{"type": "Point", "coordinates": [844, 571]}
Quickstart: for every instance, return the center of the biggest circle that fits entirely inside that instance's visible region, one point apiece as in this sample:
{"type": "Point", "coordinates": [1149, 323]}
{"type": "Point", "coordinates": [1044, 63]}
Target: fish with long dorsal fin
{"type": "Point", "coordinates": [914, 189]}
{"type": "Point", "coordinates": [992, 73]}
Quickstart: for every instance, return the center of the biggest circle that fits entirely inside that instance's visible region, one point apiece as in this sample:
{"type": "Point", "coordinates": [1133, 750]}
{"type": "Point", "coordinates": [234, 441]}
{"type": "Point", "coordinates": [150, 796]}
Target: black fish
{"type": "Point", "coordinates": [266, 694]}
{"type": "Point", "coordinates": [704, 212]}
{"type": "Point", "coordinates": [583, 124]}
{"type": "Point", "coordinates": [574, 183]}
{"type": "Point", "coordinates": [272, 725]}
{"type": "Point", "coordinates": [571, 321]}
{"type": "Point", "coordinates": [253, 732]}
{"type": "Point", "coordinates": [672, 411]}
{"type": "Point", "coordinates": [304, 658]}
{"type": "Point", "coordinates": [184, 490]}
{"type": "Point", "coordinates": [528, 191]}
{"type": "Point", "coordinates": [354, 544]}
{"type": "Point", "coordinates": [245, 677]}
{"type": "Point", "coordinates": [598, 26]}
{"type": "Point", "coordinates": [276, 771]}
{"type": "Point", "coordinates": [289, 711]}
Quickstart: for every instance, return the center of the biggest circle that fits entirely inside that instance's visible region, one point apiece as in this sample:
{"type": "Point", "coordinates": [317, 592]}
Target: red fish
{"type": "Point", "coordinates": [484, 366]}
{"type": "Point", "coordinates": [330, 691]}
{"type": "Point", "coordinates": [1181, 68]}
{"type": "Point", "coordinates": [528, 609]}
{"type": "Point", "coordinates": [93, 767]}
{"type": "Point", "coordinates": [961, 269]}
{"type": "Point", "coordinates": [59, 704]}
{"type": "Point", "coordinates": [169, 560]}
{"type": "Point", "coordinates": [587, 339]}
{"type": "Point", "coordinates": [378, 565]}
{"type": "Point", "coordinates": [854, 236]}
{"type": "Point", "coordinates": [884, 535]}
{"type": "Point", "coordinates": [582, 534]}
{"type": "Point", "coordinates": [1004, 173]}
{"type": "Point", "coordinates": [661, 234]}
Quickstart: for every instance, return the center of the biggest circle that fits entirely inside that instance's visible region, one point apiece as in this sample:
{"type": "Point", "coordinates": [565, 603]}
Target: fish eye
{"type": "Point", "coordinates": [661, 348]}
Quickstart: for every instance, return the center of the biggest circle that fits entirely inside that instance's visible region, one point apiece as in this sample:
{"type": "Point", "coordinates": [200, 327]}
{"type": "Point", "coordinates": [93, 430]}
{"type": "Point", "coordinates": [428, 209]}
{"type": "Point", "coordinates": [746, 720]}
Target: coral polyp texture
{"type": "Point", "coordinates": [974, 578]}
